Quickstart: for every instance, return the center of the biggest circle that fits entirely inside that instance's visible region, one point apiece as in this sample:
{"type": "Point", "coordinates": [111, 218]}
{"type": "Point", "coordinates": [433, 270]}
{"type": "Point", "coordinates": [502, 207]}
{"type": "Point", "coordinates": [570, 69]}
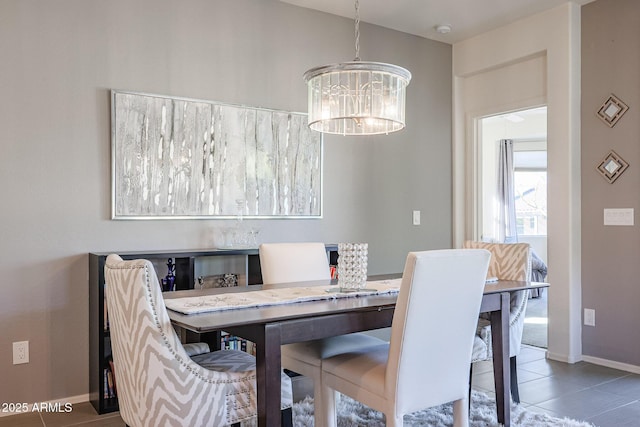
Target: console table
{"type": "Point", "coordinates": [246, 264]}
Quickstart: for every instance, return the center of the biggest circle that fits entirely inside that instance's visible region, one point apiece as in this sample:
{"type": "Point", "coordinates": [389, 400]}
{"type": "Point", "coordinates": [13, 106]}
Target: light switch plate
{"type": "Point", "coordinates": [589, 317]}
{"type": "Point", "coordinates": [416, 217]}
{"type": "Point", "coordinates": [618, 216]}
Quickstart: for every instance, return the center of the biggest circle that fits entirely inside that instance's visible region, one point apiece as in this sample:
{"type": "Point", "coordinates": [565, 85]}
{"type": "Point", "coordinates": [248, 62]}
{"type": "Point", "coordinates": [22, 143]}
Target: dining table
{"type": "Point", "coordinates": [273, 324]}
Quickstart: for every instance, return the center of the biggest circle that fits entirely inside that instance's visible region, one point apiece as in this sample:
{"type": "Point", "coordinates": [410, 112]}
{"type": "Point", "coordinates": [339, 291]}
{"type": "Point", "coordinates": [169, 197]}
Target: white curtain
{"type": "Point", "coordinates": [506, 194]}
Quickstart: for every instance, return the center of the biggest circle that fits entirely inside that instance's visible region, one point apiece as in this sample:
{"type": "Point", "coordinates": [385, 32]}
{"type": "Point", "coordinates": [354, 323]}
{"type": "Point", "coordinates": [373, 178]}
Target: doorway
{"type": "Point", "coordinates": [528, 131]}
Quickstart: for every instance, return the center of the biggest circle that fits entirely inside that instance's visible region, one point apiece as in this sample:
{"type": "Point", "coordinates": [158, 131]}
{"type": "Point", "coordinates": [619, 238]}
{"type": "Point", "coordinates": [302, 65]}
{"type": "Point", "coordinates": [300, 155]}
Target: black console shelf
{"type": "Point", "coordinates": [185, 270]}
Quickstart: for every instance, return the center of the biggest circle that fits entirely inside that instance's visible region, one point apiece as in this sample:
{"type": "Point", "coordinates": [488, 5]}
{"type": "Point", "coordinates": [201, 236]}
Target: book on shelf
{"type": "Point", "coordinates": [113, 377]}
{"type": "Point", "coordinates": [250, 348]}
{"type": "Point", "coordinates": [231, 342]}
{"type": "Point", "coordinates": [110, 390]}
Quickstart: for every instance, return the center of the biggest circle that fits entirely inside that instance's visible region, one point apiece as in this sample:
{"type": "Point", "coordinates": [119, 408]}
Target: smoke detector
{"type": "Point", "coordinates": [443, 28]}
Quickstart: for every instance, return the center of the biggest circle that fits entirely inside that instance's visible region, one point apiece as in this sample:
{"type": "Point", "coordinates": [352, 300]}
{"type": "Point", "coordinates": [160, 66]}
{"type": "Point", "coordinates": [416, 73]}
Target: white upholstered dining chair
{"type": "Point", "coordinates": [307, 261]}
{"type": "Point", "coordinates": [158, 383]}
{"type": "Point", "coordinates": [509, 261]}
{"type": "Point", "coordinates": [439, 302]}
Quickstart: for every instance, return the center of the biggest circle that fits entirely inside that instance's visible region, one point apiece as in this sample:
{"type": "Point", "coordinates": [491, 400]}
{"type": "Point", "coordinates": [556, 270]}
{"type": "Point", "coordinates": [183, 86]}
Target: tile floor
{"type": "Point", "coordinates": [603, 396]}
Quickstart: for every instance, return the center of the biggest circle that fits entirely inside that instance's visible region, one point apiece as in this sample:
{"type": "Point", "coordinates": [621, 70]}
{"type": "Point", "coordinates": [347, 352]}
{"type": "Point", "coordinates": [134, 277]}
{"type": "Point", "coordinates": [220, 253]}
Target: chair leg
{"type": "Point", "coordinates": [318, 397]}
{"type": "Point", "coordinates": [460, 413]}
{"type": "Point", "coordinates": [390, 421]}
{"type": "Point", "coordinates": [515, 395]}
{"type": "Point", "coordinates": [286, 417]}
{"type": "Point", "coordinates": [470, 377]}
{"type": "Point", "coordinates": [328, 407]}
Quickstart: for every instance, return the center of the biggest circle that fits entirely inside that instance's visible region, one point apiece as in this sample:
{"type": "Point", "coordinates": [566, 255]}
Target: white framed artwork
{"type": "Point", "coordinates": [180, 158]}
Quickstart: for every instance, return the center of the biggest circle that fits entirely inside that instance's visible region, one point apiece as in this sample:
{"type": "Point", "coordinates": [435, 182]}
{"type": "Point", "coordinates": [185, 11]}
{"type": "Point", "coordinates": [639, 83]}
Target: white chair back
{"type": "Point", "coordinates": [298, 262]}
{"type": "Point", "coordinates": [433, 327]}
{"type": "Point", "coordinates": [293, 262]}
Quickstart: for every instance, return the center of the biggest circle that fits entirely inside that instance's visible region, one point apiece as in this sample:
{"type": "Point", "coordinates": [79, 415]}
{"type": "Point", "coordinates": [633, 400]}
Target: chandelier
{"type": "Point", "coordinates": [357, 97]}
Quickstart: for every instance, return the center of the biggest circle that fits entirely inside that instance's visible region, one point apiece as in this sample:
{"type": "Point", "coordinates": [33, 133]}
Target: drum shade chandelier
{"type": "Point", "coordinates": [357, 97]}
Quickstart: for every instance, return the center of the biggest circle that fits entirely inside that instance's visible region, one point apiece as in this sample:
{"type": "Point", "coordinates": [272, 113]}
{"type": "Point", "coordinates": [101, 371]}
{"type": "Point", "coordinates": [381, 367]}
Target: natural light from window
{"type": "Point", "coordinates": [527, 129]}
{"type": "Point", "coordinates": [530, 185]}
{"type": "Point", "coordinates": [531, 202]}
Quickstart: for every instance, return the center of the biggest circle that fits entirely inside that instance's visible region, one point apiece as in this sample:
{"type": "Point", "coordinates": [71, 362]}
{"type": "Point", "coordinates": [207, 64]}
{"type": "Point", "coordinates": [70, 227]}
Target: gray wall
{"type": "Point", "coordinates": [59, 60]}
{"type": "Point", "coordinates": [610, 267]}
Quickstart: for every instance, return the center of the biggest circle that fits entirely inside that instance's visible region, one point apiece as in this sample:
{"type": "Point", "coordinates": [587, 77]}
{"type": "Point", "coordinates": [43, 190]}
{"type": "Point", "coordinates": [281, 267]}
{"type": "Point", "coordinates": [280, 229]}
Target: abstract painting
{"type": "Point", "coordinates": [186, 158]}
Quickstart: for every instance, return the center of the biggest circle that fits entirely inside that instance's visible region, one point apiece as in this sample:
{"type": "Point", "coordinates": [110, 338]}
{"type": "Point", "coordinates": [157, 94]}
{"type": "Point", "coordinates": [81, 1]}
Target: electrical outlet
{"type": "Point", "coordinates": [20, 352]}
{"type": "Point", "coordinates": [589, 317]}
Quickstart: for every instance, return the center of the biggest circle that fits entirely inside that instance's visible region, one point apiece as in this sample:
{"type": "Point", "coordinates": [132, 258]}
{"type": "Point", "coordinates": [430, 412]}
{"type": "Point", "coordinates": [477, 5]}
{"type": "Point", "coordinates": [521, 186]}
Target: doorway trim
{"type": "Point", "coordinates": [554, 34]}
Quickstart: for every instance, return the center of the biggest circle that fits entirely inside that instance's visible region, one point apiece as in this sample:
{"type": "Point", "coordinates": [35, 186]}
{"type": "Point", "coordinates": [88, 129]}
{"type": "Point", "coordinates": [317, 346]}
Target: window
{"type": "Point", "coordinates": [528, 131]}
{"type": "Point", "coordinates": [530, 183]}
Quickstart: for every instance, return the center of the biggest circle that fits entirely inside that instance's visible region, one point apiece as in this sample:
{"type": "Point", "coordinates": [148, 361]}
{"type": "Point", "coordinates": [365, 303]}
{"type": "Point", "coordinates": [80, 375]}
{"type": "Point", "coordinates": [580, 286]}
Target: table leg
{"type": "Point", "coordinates": [268, 376]}
{"type": "Point", "coordinates": [500, 343]}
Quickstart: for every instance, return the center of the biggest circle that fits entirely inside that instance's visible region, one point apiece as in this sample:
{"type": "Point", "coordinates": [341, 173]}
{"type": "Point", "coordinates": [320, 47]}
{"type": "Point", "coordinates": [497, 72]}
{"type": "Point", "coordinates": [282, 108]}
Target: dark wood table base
{"type": "Point", "coordinates": [270, 336]}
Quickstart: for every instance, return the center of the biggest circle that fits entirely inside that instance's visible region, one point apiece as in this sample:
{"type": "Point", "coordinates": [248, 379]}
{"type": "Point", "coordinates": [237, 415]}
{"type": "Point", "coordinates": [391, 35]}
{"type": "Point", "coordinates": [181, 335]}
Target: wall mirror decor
{"type": "Point", "coordinates": [612, 166]}
{"type": "Point", "coordinates": [181, 158]}
{"type": "Point", "coordinates": [612, 110]}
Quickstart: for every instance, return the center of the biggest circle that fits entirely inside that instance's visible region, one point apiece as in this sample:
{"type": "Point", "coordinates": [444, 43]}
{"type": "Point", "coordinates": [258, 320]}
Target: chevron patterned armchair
{"type": "Point", "coordinates": [509, 261]}
{"type": "Point", "coordinates": [158, 383]}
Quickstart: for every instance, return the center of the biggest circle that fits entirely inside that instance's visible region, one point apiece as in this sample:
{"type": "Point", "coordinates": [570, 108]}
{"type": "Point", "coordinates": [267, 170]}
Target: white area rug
{"type": "Point", "coordinates": [483, 414]}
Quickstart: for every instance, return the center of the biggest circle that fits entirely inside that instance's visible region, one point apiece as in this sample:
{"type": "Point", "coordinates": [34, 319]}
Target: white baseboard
{"type": "Point", "coordinates": [634, 369]}
{"type": "Point", "coordinates": [4, 412]}
{"type": "Point", "coordinates": [563, 357]}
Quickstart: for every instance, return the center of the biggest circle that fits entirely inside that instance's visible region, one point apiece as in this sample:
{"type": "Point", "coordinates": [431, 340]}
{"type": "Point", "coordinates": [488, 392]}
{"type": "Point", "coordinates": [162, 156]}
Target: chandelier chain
{"type": "Point", "coordinates": [357, 23]}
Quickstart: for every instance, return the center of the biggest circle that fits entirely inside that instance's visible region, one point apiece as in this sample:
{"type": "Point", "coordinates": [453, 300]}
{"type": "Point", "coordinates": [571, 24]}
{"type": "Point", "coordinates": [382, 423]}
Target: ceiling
{"type": "Point", "coordinates": [467, 18]}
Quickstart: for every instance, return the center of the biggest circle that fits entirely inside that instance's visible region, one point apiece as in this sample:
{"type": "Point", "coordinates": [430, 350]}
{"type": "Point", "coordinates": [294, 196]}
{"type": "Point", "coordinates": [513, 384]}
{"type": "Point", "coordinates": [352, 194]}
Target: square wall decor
{"type": "Point", "coordinates": [612, 110]}
{"type": "Point", "coordinates": [612, 166]}
{"type": "Point", "coordinates": [178, 158]}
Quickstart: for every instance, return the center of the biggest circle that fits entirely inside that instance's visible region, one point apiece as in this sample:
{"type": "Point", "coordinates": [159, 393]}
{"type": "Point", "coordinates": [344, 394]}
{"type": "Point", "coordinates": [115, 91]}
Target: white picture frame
{"type": "Point", "coordinates": [181, 158]}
